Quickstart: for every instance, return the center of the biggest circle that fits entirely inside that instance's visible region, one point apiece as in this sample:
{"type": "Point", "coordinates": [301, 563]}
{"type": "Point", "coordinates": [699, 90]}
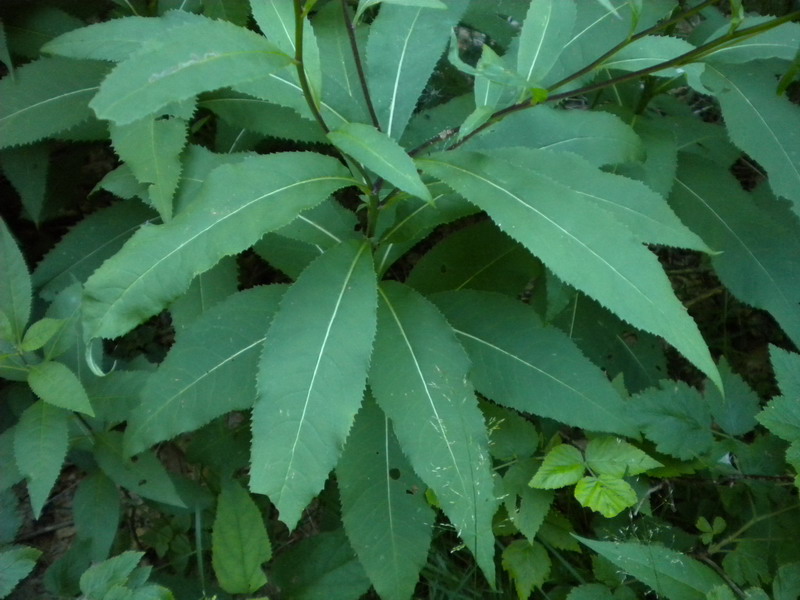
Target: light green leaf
{"type": "Point", "coordinates": [41, 332]}
{"type": "Point", "coordinates": [527, 563]}
{"type": "Point", "coordinates": [735, 412]}
{"type": "Point", "coordinates": [175, 69]}
{"type": "Point", "coordinates": [151, 148]}
{"type": "Point", "coordinates": [760, 122]}
{"type": "Point", "coordinates": [211, 370]}
{"type": "Point", "coordinates": [405, 43]}
{"type": "Point", "coordinates": [99, 580]}
{"type": "Point", "coordinates": [54, 383]}
{"type": "Point", "coordinates": [27, 168]}
{"type": "Point", "coordinates": [46, 97]}
{"type": "Point", "coordinates": [758, 243]}
{"type": "Point", "coordinates": [308, 397]}
{"type": "Point", "coordinates": [385, 515]}
{"type": "Point", "coordinates": [15, 293]}
{"type": "Point", "coordinates": [16, 563]}
{"type": "Point", "coordinates": [381, 154]}
{"type": "Point", "coordinates": [786, 585]}
{"type": "Point", "coordinates": [778, 42]}
{"type": "Point", "coordinates": [96, 512]}
{"type": "Point", "coordinates": [782, 417]}
{"type": "Point", "coordinates": [562, 466]}
{"type": "Point", "coordinates": [365, 4]}
{"type": "Point", "coordinates": [617, 458]}
{"type": "Point", "coordinates": [606, 494]}
{"type": "Point", "coordinates": [496, 85]}
{"type": "Point", "coordinates": [649, 51]}
{"type": "Point", "coordinates": [236, 206]}
{"type": "Point", "coordinates": [521, 364]}
{"type": "Point", "coordinates": [582, 244]}
{"type": "Point", "coordinates": [547, 28]}
{"type": "Point", "coordinates": [419, 379]}
{"type": "Point", "coordinates": [323, 226]}
{"type": "Point", "coordinates": [40, 445]}
{"type": "Point", "coordinates": [239, 542]}
{"type": "Point", "coordinates": [672, 574]}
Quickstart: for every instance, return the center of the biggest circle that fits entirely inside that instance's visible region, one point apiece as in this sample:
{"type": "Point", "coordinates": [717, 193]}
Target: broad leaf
{"type": "Point", "coordinates": [612, 456]}
{"type": "Point", "coordinates": [547, 27]}
{"type": "Point", "coordinates": [787, 371]}
{"type": "Point", "coordinates": [96, 511]}
{"type": "Point", "coordinates": [54, 383]}
{"type": "Point", "coordinates": [211, 370]}
{"type": "Point", "coordinates": [606, 494]}
{"type": "Point", "coordinates": [15, 564]}
{"type": "Point", "coordinates": [387, 520]}
{"type": "Point", "coordinates": [237, 205]}
{"type": "Point", "coordinates": [735, 412]}
{"type": "Point", "coordinates": [309, 396]}
{"type": "Point", "coordinates": [521, 364]}
{"type": "Point", "coordinates": [239, 542]}
{"type": "Point", "coordinates": [46, 97]}
{"type": "Point", "coordinates": [562, 466]}
{"type": "Point", "coordinates": [381, 154]}
{"type": "Point", "coordinates": [40, 445]}
{"type": "Point", "coordinates": [671, 574]}
{"type": "Point", "coordinates": [419, 379]}
{"type": "Point", "coordinates": [15, 293]}
{"type": "Point", "coordinates": [176, 69]}
{"type": "Point", "coordinates": [527, 564]}
{"type": "Point", "coordinates": [561, 228]}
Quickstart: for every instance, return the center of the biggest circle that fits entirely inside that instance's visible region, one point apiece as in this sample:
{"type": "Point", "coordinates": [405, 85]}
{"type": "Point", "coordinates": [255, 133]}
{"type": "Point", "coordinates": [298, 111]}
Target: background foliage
{"type": "Point", "coordinates": [400, 299]}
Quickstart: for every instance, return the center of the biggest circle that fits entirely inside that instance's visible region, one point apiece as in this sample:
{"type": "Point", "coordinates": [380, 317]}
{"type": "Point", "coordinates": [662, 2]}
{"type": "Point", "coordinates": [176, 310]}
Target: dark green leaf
{"type": "Point", "coordinates": [735, 412]}
{"type": "Point", "coordinates": [27, 169]}
{"type": "Point", "coordinates": [54, 383]}
{"type": "Point", "coordinates": [15, 564]}
{"type": "Point", "coordinates": [15, 293]}
{"type": "Point", "coordinates": [547, 27]}
{"type": "Point", "coordinates": [96, 512]}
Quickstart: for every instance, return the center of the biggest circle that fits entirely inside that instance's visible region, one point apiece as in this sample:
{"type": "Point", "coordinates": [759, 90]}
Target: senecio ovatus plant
{"type": "Point", "coordinates": [453, 380]}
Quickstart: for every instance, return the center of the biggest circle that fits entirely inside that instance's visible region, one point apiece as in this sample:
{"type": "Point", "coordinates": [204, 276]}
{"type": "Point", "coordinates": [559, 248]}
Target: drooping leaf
{"type": "Point", "coordinates": [381, 154]}
{"type": "Point", "coordinates": [561, 229]}
{"type": "Point", "coordinates": [547, 27]}
{"type": "Point", "coordinates": [211, 370]}
{"type": "Point", "coordinates": [40, 445]}
{"type": "Point", "coordinates": [385, 515]}
{"type": "Point", "coordinates": [15, 293]}
{"type": "Point", "coordinates": [27, 169]}
{"type": "Point", "coordinates": [672, 574]}
{"type": "Point", "coordinates": [15, 564]}
{"type": "Point", "coordinates": [760, 122]}
{"type": "Point", "coordinates": [612, 456]}
{"type": "Point", "coordinates": [521, 364]}
{"type": "Point", "coordinates": [758, 244]}
{"type": "Point", "coordinates": [527, 563]}
{"type": "Point", "coordinates": [308, 397]}
{"type": "Point", "coordinates": [419, 379]}
{"type": "Point", "coordinates": [176, 69]}
{"type": "Point", "coordinates": [606, 494]}
{"type": "Point", "coordinates": [237, 205]}
{"type": "Point", "coordinates": [45, 97]}
{"type": "Point", "coordinates": [56, 384]}
{"type": "Point", "coordinates": [239, 541]}
{"type": "Point", "coordinates": [405, 42]}
{"type": "Point", "coordinates": [562, 466]}
{"type": "Point", "coordinates": [96, 511]}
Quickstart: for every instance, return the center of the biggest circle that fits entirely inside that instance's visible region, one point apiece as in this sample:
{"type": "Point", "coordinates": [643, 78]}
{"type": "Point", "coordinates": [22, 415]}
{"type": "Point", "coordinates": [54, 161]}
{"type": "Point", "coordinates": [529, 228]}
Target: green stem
{"type": "Point", "coordinates": [351, 33]}
{"type": "Point", "coordinates": [299, 21]}
{"type": "Point", "coordinates": [757, 519]}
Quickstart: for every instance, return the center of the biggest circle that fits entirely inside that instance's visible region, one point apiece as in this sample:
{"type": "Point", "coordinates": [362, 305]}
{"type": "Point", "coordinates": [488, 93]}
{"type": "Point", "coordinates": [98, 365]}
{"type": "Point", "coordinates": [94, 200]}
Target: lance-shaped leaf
{"type": "Point", "coordinates": [581, 243]}
{"type": "Point", "coordinates": [649, 51]}
{"type": "Point", "coordinates": [758, 243]}
{"type": "Point", "coordinates": [419, 378]}
{"type": "Point", "coordinates": [405, 43]}
{"type": "Point", "coordinates": [27, 168]}
{"type": "Point", "coordinates": [96, 511]}
{"type": "Point", "coordinates": [365, 4]}
{"type": "Point", "coordinates": [311, 377]}
{"type": "Point", "coordinates": [384, 511]}
{"type": "Point", "coordinates": [547, 28]}
{"type": "Point", "coordinates": [40, 445]}
{"type": "Point", "coordinates": [54, 383]}
{"type": "Point", "coordinates": [380, 153]}
{"type": "Point", "coordinates": [46, 97]}
{"type": "Point", "coordinates": [15, 293]}
{"type": "Point", "coordinates": [236, 206]}
{"type": "Point", "coordinates": [521, 364]}
{"type": "Point", "coordinates": [779, 42]}
{"type": "Point", "coordinates": [760, 122]}
{"type": "Point", "coordinates": [211, 370]}
{"type": "Point", "coordinates": [178, 68]}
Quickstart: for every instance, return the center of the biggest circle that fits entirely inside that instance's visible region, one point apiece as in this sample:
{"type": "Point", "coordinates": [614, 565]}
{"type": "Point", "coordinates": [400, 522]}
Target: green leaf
{"type": "Point", "coordinates": [548, 377]}
{"type": "Point", "coordinates": [210, 371]}
{"type": "Point", "coordinates": [365, 4]}
{"type": "Point", "coordinates": [598, 137]}
{"type": "Point", "coordinates": [96, 512]}
{"type": "Point", "coordinates": [760, 122]}
{"type": "Point", "coordinates": [787, 370]}
{"type": "Point", "coordinates": [675, 418]}
{"type": "Point", "coordinates": [547, 27]}
{"type": "Point", "coordinates": [151, 148]}
{"type": "Point", "coordinates": [649, 51]}
{"type": "Point", "coordinates": [236, 206]}
{"type": "Point", "coordinates": [308, 397]}
{"type": "Point", "coordinates": [207, 289]}
{"type": "Point", "coordinates": [324, 226]}
{"type": "Point", "coordinates": [15, 565]}
{"type": "Point", "coordinates": [5, 55]}
{"type": "Point", "coordinates": [511, 436]}
{"type": "Point", "coordinates": [175, 69]}
{"type": "Point", "coordinates": [561, 229]}
{"type": "Point", "coordinates": [40, 332]}
{"type": "Point", "coordinates": [99, 580]}
{"type": "Point", "coordinates": [30, 29]}
{"type": "Point", "coordinates": [527, 507]}
{"type": "Point", "coordinates": [590, 591]}
{"type": "Point", "coordinates": [45, 97]}
{"type": "Point", "coordinates": [40, 445]}
{"type": "Point", "coordinates": [419, 379]}
{"type": "Point", "coordinates": [381, 154]}
{"type": "Point", "coordinates": [735, 412]}
{"type": "Point", "coordinates": [384, 512]}
{"type": "Point", "coordinates": [672, 574]}
{"type": "Point", "coordinates": [617, 458]}
{"type": "Point", "coordinates": [404, 45]}
{"type": "Point", "coordinates": [786, 585]}
{"type": "Point", "coordinates": [782, 417]}
{"type": "Point", "coordinates": [528, 564]}
{"type": "Point", "coordinates": [10, 474]}
{"type": "Point", "coordinates": [606, 494]}
{"type": "Point", "coordinates": [777, 42]}
{"type": "Point", "coordinates": [56, 384]}
{"type": "Point", "coordinates": [239, 542]}
{"type": "Point", "coordinates": [15, 293]}
{"type": "Point", "coordinates": [27, 168]}
{"type": "Point", "coordinates": [235, 11]}
{"type": "Point", "coordinates": [757, 243]}
{"type": "Point", "coordinates": [562, 466]}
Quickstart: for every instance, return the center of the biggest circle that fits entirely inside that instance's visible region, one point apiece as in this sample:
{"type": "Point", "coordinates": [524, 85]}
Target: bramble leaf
{"type": "Point", "coordinates": [617, 458]}
{"type": "Point", "coordinates": [562, 466]}
{"type": "Point", "coordinates": [606, 494]}
{"type": "Point", "coordinates": [527, 563]}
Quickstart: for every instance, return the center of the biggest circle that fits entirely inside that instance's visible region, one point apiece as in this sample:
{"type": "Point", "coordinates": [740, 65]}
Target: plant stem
{"type": "Point", "coordinates": [757, 519]}
{"type": "Point", "coordinates": [351, 33]}
{"type": "Point", "coordinates": [299, 21]}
